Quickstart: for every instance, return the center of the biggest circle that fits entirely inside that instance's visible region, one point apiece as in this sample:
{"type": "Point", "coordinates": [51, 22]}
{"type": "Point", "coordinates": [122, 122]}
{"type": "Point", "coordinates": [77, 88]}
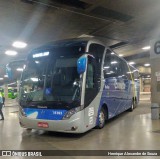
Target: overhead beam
{"type": "Point", "coordinates": [138, 56]}
{"type": "Point", "coordinates": [96, 4]}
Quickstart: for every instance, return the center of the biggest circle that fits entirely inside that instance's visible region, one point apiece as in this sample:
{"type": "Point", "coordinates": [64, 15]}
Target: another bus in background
{"type": "Point", "coordinates": [12, 92]}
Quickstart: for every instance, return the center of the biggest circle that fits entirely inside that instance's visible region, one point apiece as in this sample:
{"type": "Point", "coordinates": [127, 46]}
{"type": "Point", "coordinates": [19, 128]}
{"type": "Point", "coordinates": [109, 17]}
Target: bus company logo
{"type": "Point", "coordinates": [91, 111]}
{"type": "Point", "coordinates": [6, 153]}
{"type": "Point", "coordinates": [57, 113]}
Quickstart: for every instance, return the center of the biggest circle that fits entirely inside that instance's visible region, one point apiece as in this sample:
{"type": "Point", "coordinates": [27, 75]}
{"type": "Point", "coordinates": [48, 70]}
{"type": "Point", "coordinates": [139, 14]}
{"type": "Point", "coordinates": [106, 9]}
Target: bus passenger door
{"type": "Point", "coordinates": [93, 84]}
{"type": "Point", "coordinates": [91, 91]}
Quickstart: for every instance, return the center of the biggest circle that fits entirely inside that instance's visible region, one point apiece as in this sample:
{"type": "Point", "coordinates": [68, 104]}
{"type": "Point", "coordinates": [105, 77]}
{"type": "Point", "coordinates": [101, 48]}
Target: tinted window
{"type": "Point", "coordinates": [97, 51]}
{"type": "Point", "coordinates": [114, 66]}
{"type": "Point", "coordinates": [135, 73]}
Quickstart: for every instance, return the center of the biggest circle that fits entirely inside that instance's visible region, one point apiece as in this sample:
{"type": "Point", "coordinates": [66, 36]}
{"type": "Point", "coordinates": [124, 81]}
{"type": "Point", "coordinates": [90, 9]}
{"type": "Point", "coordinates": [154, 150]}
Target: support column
{"type": "Point", "coordinates": [18, 86]}
{"type": "Point", "coordinates": [6, 91]}
{"type": "Point", "coordinates": [155, 71]}
{"type": "Point", "coordinates": [155, 83]}
{"type": "Point", "coordinates": [141, 84]}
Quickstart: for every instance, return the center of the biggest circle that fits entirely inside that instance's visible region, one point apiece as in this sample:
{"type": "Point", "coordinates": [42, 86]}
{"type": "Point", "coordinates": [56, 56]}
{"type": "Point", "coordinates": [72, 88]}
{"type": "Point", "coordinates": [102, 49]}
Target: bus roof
{"type": "Point", "coordinates": [63, 43]}
{"type": "Point", "coordinates": [68, 42]}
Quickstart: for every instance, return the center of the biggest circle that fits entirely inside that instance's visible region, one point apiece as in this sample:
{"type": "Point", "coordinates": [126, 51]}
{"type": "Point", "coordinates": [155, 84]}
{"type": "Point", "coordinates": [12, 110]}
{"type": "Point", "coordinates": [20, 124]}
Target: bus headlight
{"type": "Point", "coordinates": [22, 111]}
{"type": "Point", "coordinates": [71, 112]}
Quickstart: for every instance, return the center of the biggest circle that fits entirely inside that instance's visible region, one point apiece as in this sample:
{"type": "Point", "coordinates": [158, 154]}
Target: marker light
{"type": "Point", "coordinates": [11, 52]}
{"type": "Point", "coordinates": [40, 54]}
{"type": "Point", "coordinates": [19, 44]}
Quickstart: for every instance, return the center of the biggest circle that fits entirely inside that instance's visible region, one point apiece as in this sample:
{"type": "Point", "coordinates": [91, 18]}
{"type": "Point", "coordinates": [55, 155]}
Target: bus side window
{"type": "Point", "coordinates": [130, 73]}
{"type": "Point", "coordinates": [125, 70]}
{"type": "Point", "coordinates": [97, 51]}
{"type": "Point", "coordinates": [91, 86]}
{"type": "Point", "coordinates": [111, 66]}
{"type": "Point", "coordinates": [114, 66]}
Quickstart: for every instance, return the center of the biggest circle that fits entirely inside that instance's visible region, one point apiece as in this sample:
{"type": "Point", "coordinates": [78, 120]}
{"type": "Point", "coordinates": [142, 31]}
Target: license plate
{"type": "Point", "coordinates": [43, 124]}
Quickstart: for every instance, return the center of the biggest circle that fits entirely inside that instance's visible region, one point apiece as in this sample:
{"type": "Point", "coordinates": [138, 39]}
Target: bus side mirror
{"type": "Point", "coordinates": [81, 64]}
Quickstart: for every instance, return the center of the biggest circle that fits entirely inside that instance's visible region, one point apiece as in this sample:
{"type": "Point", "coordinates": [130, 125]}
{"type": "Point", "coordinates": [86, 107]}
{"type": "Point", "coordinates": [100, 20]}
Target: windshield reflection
{"type": "Point", "coordinates": [51, 80]}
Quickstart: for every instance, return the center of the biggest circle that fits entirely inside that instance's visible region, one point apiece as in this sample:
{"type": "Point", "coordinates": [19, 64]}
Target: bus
{"type": "Point", "coordinates": [75, 85]}
{"type": "Point", "coordinates": [12, 92]}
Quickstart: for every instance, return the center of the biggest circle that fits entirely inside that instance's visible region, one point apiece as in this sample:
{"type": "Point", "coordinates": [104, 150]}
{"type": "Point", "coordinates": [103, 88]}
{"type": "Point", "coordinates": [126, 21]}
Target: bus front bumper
{"type": "Point", "coordinates": [73, 125]}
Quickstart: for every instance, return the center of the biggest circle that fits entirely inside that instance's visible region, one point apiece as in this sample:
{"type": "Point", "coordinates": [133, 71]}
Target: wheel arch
{"type": "Point", "coordinates": [104, 105]}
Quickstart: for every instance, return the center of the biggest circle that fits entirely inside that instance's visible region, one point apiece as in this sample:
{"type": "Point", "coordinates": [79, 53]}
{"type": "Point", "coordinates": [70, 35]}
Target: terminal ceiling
{"type": "Point", "coordinates": [125, 25]}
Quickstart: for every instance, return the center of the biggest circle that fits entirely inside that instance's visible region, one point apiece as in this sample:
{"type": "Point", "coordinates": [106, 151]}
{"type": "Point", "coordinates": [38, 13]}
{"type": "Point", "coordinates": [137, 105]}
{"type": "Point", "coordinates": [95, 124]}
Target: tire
{"type": "Point", "coordinates": [101, 118]}
{"type": "Point", "coordinates": [132, 107]}
{"type": "Point", "coordinates": [135, 103]}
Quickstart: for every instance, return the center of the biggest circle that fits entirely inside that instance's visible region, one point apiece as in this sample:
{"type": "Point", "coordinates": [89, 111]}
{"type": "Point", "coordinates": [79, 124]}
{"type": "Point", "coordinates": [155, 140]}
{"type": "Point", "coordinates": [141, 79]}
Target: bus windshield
{"type": "Point", "coordinates": [52, 79]}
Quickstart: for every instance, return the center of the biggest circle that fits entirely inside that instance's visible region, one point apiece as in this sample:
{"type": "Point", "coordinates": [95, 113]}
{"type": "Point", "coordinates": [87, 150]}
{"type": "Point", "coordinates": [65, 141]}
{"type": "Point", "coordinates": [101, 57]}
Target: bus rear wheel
{"type": "Point", "coordinates": [101, 118]}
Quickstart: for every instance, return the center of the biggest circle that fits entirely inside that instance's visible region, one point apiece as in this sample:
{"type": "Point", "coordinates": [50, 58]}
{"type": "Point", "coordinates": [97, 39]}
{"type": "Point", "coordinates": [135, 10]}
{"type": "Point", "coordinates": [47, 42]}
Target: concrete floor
{"type": "Point", "coordinates": [129, 131]}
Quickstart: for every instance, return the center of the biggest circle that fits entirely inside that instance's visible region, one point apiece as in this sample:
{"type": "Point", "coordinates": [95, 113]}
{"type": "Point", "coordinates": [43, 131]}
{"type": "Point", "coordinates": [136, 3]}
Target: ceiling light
{"type": "Point", "coordinates": [146, 64]}
{"type": "Point", "coordinates": [146, 48]}
{"type": "Point", "coordinates": [112, 53]}
{"type": "Point", "coordinates": [120, 55]}
{"type": "Point", "coordinates": [19, 69]}
{"type": "Point", "coordinates": [11, 52]}
{"type": "Point", "coordinates": [1, 78]}
{"type": "Point", "coordinates": [19, 44]}
{"type": "Point", "coordinates": [5, 75]}
{"type": "Point", "coordinates": [132, 63]}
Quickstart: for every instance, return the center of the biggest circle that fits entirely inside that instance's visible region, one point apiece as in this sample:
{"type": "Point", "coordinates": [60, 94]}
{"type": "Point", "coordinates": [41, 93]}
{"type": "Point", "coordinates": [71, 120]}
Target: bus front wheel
{"type": "Point", "coordinates": [101, 118]}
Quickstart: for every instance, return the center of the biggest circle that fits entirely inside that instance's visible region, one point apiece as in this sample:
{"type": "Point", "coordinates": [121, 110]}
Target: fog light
{"type": "Point", "coordinates": [74, 128]}
{"type": "Point", "coordinates": [22, 125]}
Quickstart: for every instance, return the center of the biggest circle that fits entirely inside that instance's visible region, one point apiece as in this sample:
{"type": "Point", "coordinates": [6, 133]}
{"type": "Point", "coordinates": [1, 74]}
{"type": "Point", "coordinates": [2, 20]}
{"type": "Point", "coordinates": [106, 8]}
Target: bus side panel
{"type": "Point", "coordinates": [117, 96]}
{"type": "Point", "coordinates": [91, 112]}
